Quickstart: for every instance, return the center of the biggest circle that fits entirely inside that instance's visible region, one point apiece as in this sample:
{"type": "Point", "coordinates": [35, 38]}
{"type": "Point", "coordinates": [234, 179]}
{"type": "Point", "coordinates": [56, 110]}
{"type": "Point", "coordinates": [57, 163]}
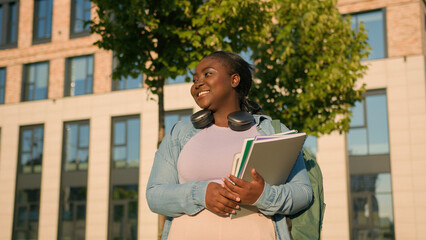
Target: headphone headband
{"type": "Point", "coordinates": [237, 121]}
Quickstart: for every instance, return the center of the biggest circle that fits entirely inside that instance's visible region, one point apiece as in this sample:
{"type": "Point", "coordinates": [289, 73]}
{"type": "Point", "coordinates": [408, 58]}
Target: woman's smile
{"type": "Point", "coordinates": [202, 93]}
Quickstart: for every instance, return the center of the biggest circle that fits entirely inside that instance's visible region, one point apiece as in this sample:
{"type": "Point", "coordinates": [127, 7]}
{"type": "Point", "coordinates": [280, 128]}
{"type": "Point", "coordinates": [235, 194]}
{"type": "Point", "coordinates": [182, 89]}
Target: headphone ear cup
{"type": "Point", "coordinates": [202, 118]}
{"type": "Point", "coordinates": [240, 121]}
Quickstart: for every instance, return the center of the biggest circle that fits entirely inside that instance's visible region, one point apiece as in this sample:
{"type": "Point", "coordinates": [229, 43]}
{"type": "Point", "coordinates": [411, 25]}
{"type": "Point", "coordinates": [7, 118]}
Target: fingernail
{"type": "Point", "coordinates": [237, 207]}
{"type": "Point", "coordinates": [229, 175]}
{"type": "Point", "coordinates": [237, 199]}
{"type": "Point", "coordinates": [233, 211]}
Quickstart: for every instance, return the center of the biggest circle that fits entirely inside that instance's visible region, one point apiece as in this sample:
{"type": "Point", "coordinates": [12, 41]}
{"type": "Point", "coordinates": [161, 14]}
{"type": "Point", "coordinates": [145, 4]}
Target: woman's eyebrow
{"type": "Point", "coordinates": [204, 69]}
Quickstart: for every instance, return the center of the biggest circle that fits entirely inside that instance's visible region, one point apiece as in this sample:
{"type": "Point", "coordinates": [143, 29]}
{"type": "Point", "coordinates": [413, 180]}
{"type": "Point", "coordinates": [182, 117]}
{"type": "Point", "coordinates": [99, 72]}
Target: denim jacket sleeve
{"type": "Point", "coordinates": [288, 198]}
{"type": "Point", "coordinates": [164, 193]}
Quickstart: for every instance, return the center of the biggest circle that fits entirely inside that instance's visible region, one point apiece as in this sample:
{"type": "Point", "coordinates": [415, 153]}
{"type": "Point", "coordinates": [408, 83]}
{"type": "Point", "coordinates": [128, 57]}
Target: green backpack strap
{"type": "Point", "coordinates": [307, 224]}
{"type": "Point", "coordinates": [277, 125]}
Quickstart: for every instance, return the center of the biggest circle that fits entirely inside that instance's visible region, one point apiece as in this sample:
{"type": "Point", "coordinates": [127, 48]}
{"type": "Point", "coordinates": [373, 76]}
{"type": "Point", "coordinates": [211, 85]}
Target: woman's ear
{"type": "Point", "coordinates": [235, 80]}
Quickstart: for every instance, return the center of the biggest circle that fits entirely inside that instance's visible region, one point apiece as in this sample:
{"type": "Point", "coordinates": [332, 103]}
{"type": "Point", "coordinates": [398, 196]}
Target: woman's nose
{"type": "Point", "coordinates": [198, 83]}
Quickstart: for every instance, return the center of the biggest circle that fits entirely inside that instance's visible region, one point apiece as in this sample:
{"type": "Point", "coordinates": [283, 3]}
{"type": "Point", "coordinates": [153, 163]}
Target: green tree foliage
{"type": "Point", "coordinates": [307, 67]}
{"type": "Point", "coordinates": [164, 38]}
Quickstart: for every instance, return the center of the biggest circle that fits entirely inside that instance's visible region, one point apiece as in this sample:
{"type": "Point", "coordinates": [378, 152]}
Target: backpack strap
{"type": "Point", "coordinates": [276, 125]}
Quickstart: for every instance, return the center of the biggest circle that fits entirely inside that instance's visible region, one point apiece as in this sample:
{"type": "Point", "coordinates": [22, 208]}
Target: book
{"type": "Point", "coordinates": [272, 156]}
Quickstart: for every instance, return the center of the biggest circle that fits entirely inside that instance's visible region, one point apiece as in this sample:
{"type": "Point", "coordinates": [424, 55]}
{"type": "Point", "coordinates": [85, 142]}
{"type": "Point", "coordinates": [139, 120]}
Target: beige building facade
{"type": "Point", "coordinates": [36, 182]}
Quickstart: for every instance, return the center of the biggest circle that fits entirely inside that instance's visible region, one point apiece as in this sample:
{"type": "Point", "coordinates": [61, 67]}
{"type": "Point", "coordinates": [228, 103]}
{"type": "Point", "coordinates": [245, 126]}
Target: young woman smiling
{"type": "Point", "coordinates": [189, 181]}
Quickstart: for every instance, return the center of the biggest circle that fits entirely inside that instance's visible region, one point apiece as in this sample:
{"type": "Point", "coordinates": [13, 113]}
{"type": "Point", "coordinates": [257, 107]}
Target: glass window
{"type": "Point", "coordinates": [173, 117]}
{"type": "Point", "coordinates": [375, 25]}
{"type": "Point", "coordinates": [8, 23]}
{"type": "Point", "coordinates": [35, 81]}
{"type": "Point", "coordinates": [79, 76]}
{"type": "Point", "coordinates": [25, 225]}
{"type": "Point", "coordinates": [76, 146]}
{"type": "Point", "coordinates": [372, 206]}
{"type": "Point", "coordinates": [42, 29]}
{"type": "Point", "coordinates": [72, 223]}
{"type": "Point", "coordinates": [123, 222]}
{"type": "Point", "coordinates": [178, 79]}
{"type": "Point", "coordinates": [2, 84]}
{"type": "Point", "coordinates": [125, 142]}
{"type": "Point", "coordinates": [80, 14]}
{"type": "Point", "coordinates": [30, 149]}
{"type": "Point", "coordinates": [368, 134]}
{"type": "Point", "coordinates": [125, 82]}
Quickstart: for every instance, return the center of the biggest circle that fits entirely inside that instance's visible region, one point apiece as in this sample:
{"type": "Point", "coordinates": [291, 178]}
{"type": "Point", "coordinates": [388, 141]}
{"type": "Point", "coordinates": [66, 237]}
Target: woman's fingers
{"type": "Point", "coordinates": [220, 200]}
{"type": "Point", "coordinates": [256, 176]}
{"type": "Point", "coordinates": [248, 192]}
{"type": "Point", "coordinates": [229, 193]}
{"type": "Point", "coordinates": [237, 181]}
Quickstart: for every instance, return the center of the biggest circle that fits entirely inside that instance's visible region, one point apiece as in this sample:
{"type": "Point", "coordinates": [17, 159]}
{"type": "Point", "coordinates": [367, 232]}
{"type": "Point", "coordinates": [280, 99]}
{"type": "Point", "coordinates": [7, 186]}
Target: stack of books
{"type": "Point", "coordinates": [272, 156]}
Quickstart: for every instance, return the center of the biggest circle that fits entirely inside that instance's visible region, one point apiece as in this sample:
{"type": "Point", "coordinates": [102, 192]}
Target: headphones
{"type": "Point", "coordinates": [237, 121]}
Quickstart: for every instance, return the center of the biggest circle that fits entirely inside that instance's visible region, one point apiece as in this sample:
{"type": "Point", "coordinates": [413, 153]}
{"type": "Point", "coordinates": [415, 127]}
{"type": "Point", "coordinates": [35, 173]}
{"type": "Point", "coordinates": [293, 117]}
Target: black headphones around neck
{"type": "Point", "coordinates": [237, 121]}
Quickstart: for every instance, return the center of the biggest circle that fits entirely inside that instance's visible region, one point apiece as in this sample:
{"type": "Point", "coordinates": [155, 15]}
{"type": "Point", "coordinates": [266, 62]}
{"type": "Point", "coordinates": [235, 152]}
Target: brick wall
{"type": "Point", "coordinates": [56, 51]}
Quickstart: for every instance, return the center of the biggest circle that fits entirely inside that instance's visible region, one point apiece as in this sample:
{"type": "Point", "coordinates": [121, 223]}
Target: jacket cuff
{"type": "Point", "coordinates": [198, 193]}
{"type": "Point", "coordinates": [266, 198]}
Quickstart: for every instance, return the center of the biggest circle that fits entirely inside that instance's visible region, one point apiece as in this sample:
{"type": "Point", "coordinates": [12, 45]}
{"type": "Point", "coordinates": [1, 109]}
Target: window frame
{"type": "Point", "coordinates": [75, 204]}
{"type": "Point", "coordinates": [384, 24]}
{"type": "Point", "coordinates": [179, 112]}
{"type": "Point", "coordinates": [25, 83]}
{"type": "Point", "coordinates": [41, 40]}
{"type": "Point", "coordinates": [28, 204]}
{"type": "Point", "coordinates": [64, 152]}
{"type": "Point", "coordinates": [6, 25]}
{"type": "Point", "coordinates": [83, 33]}
{"type": "Point", "coordinates": [373, 92]}
{"type": "Point", "coordinates": [123, 202]}
{"type": "Point", "coordinates": [27, 181]}
{"type": "Point", "coordinates": [67, 88]}
{"type": "Point", "coordinates": [115, 83]}
{"type": "Point", "coordinates": [112, 145]}
{"type": "Point", "coordinates": [366, 165]}
{"type": "Point", "coordinates": [20, 151]}
{"type": "Point", "coordinates": [3, 84]}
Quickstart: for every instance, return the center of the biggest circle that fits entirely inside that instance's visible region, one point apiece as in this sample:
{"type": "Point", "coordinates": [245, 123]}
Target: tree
{"type": "Point", "coordinates": [308, 66]}
{"type": "Point", "coordinates": [165, 38]}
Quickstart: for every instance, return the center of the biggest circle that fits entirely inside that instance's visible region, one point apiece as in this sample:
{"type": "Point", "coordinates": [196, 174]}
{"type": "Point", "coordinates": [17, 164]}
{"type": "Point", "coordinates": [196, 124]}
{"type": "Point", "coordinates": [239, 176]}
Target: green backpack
{"type": "Point", "coordinates": [307, 224]}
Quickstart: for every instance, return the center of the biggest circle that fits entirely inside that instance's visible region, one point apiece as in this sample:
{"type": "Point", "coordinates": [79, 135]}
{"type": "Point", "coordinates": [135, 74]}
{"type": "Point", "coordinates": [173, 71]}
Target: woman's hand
{"type": "Point", "coordinates": [220, 200]}
{"type": "Point", "coordinates": [249, 192]}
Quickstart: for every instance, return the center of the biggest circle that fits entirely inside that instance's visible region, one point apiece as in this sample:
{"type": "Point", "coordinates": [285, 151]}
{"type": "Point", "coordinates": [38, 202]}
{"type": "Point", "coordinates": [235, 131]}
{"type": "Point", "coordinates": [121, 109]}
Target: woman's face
{"type": "Point", "coordinates": [213, 85]}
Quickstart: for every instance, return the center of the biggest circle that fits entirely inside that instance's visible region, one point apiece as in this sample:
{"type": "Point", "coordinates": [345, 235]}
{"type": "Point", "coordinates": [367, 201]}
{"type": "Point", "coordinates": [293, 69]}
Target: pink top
{"type": "Point", "coordinates": [208, 155]}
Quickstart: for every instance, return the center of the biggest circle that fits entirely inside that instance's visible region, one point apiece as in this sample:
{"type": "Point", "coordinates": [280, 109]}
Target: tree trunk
{"type": "Point", "coordinates": [161, 130]}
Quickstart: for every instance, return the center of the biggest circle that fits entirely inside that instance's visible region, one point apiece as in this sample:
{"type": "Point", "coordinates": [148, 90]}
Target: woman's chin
{"type": "Point", "coordinates": [203, 105]}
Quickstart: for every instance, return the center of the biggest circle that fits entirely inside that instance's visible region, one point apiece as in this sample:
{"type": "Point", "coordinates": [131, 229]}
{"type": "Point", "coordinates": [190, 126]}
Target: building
{"type": "Point", "coordinates": [76, 148]}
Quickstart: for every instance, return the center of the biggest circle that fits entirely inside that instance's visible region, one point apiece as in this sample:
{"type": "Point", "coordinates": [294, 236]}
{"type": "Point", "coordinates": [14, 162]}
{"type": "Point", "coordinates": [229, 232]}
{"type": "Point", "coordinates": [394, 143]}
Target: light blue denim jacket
{"type": "Point", "coordinates": [167, 197]}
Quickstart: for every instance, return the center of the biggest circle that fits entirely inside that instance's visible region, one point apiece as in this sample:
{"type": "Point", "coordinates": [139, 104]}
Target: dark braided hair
{"type": "Point", "coordinates": [238, 65]}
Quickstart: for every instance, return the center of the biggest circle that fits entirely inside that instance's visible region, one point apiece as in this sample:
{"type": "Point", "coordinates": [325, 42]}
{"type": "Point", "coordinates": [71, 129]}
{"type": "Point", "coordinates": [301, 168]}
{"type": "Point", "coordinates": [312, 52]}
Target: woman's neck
{"type": "Point", "coordinates": [221, 117]}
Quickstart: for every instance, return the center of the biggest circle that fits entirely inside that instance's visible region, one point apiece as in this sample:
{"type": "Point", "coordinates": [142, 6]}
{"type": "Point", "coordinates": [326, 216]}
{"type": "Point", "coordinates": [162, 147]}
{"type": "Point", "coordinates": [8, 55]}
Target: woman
{"type": "Point", "coordinates": [188, 181]}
